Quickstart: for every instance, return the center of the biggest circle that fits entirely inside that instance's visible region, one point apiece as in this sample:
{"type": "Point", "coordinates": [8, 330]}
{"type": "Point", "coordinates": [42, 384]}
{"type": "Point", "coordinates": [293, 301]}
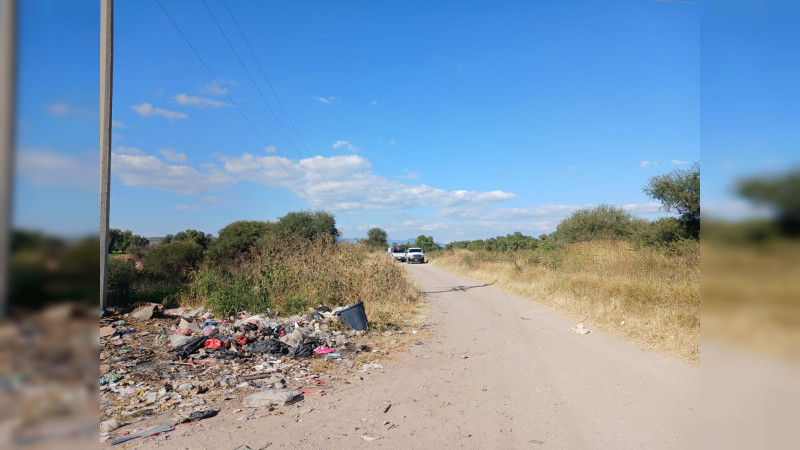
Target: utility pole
{"type": "Point", "coordinates": [106, 82]}
{"type": "Point", "coordinates": [8, 72]}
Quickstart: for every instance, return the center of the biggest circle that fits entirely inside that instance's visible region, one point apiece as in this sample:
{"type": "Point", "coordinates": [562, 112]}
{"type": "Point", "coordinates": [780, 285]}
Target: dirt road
{"type": "Point", "coordinates": [498, 372]}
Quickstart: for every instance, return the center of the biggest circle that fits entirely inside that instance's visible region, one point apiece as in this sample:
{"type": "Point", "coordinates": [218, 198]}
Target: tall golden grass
{"type": "Point", "coordinates": [649, 295]}
{"type": "Point", "coordinates": [751, 296]}
{"type": "Point", "coordinates": [289, 275]}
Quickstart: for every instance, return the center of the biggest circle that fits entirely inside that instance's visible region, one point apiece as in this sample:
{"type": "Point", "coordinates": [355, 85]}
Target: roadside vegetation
{"type": "Point", "coordinates": [637, 278]}
{"type": "Point", "coordinates": [278, 268]}
{"type": "Point", "coordinates": [751, 296]}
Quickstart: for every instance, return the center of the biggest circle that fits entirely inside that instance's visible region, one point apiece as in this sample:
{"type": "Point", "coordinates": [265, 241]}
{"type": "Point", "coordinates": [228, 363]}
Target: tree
{"type": "Point", "coordinates": [679, 191]}
{"type": "Point", "coordinates": [174, 259]}
{"type": "Point", "coordinates": [200, 238]}
{"type": "Point", "coordinates": [119, 241]}
{"type": "Point", "coordinates": [308, 224]}
{"type": "Point", "coordinates": [426, 243]}
{"type": "Point", "coordinates": [114, 240]}
{"type": "Point", "coordinates": [235, 240]}
{"type": "Point", "coordinates": [781, 194]}
{"type": "Point", "coordinates": [377, 238]}
{"type": "Point", "coordinates": [601, 222]}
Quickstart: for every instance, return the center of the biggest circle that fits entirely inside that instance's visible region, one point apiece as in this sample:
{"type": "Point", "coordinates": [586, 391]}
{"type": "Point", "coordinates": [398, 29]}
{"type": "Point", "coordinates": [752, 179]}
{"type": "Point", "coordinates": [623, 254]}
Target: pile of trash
{"type": "Point", "coordinates": [154, 360]}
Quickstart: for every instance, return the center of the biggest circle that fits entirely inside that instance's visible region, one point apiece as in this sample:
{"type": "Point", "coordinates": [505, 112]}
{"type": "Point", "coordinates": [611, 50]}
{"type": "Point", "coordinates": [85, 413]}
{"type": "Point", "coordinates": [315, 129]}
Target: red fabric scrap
{"type": "Point", "coordinates": [213, 343]}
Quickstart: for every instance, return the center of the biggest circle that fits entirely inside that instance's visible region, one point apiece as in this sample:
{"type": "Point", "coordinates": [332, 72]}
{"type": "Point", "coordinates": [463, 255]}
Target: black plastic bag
{"type": "Point", "coordinates": [305, 348]}
{"type": "Point", "coordinates": [271, 346]}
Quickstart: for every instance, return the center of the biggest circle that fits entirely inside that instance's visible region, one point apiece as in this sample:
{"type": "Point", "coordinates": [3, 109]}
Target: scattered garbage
{"type": "Point", "coordinates": [579, 329]}
{"type": "Point", "coordinates": [271, 346]}
{"type": "Point", "coordinates": [212, 343]}
{"type": "Point", "coordinates": [110, 425]}
{"type": "Point", "coordinates": [146, 312]}
{"type": "Point", "coordinates": [200, 415]}
{"type": "Point", "coordinates": [354, 316]}
{"type": "Point", "coordinates": [270, 397]}
{"type": "Point", "coordinates": [184, 358]}
{"type": "Point", "coordinates": [151, 432]}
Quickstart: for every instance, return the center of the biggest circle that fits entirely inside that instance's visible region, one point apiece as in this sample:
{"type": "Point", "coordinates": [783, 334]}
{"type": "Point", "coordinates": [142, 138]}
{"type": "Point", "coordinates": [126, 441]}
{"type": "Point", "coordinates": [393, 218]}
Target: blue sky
{"type": "Point", "coordinates": [455, 120]}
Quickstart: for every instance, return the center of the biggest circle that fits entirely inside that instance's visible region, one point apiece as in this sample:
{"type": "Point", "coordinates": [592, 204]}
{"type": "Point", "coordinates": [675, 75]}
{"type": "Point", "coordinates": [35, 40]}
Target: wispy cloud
{"type": "Point", "coordinates": [215, 88]}
{"type": "Point", "coordinates": [148, 171]}
{"type": "Point", "coordinates": [326, 100]}
{"type": "Point", "coordinates": [200, 102]}
{"type": "Point", "coordinates": [173, 156]}
{"type": "Point", "coordinates": [213, 199]}
{"type": "Point", "coordinates": [345, 144]}
{"type": "Point", "coordinates": [270, 149]}
{"type": "Point", "coordinates": [678, 162]}
{"type": "Point", "coordinates": [63, 109]}
{"type": "Point", "coordinates": [122, 150]}
{"type": "Point", "coordinates": [117, 124]}
{"type": "Point", "coordinates": [392, 142]}
{"type": "Point", "coordinates": [645, 164]}
{"type": "Point", "coordinates": [54, 169]}
{"type": "Point", "coordinates": [147, 110]}
{"type": "Point", "coordinates": [187, 207]}
{"type": "Point", "coordinates": [410, 175]}
{"type": "Point", "coordinates": [373, 103]}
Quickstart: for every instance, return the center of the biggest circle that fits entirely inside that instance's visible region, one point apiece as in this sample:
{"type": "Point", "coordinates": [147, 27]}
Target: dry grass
{"type": "Point", "coordinates": [289, 276]}
{"type": "Point", "coordinates": [751, 296]}
{"type": "Point", "coordinates": [655, 292]}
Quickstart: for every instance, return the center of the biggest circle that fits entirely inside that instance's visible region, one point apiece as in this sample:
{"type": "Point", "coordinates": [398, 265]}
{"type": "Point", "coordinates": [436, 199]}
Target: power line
{"type": "Point", "coordinates": [320, 177]}
{"type": "Point", "coordinates": [236, 105]}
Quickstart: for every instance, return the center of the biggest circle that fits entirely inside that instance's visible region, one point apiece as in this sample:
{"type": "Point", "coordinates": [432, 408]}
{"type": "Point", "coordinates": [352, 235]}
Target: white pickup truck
{"type": "Point", "coordinates": [415, 254]}
{"type": "Point", "coordinates": [398, 253]}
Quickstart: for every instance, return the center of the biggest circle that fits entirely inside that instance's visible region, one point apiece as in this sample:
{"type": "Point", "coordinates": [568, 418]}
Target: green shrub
{"type": "Point", "coordinates": [602, 222]}
{"type": "Point", "coordinates": [175, 259]}
{"type": "Point", "coordinates": [657, 232]}
{"type": "Point", "coordinates": [227, 294]}
{"type": "Point", "coordinates": [236, 240]}
{"type": "Point", "coordinates": [307, 224]}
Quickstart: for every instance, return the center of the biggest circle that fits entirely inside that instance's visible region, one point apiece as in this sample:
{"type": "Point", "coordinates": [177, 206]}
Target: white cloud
{"type": "Point", "coordinates": [270, 149]}
{"type": "Point", "coordinates": [644, 164]}
{"type": "Point", "coordinates": [213, 199]}
{"type": "Point", "coordinates": [678, 162]}
{"type": "Point", "coordinates": [392, 142]}
{"type": "Point", "coordinates": [410, 175]}
{"type": "Point", "coordinates": [200, 102]}
{"type": "Point", "coordinates": [373, 103]}
{"type": "Point", "coordinates": [215, 88]}
{"type": "Point", "coordinates": [147, 110]}
{"type": "Point", "coordinates": [173, 156]}
{"type": "Point", "coordinates": [53, 169]}
{"type": "Point", "coordinates": [122, 150]}
{"type": "Point", "coordinates": [63, 109]}
{"type": "Point", "coordinates": [326, 100]}
{"type": "Point", "coordinates": [149, 171]}
{"type": "Point", "coordinates": [349, 180]}
{"type": "Point", "coordinates": [117, 124]}
{"type": "Point", "coordinates": [187, 207]}
{"type": "Point", "coordinates": [345, 144]}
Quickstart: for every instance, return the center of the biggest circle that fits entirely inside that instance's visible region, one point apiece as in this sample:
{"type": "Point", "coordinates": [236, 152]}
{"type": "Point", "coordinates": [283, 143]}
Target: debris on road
{"type": "Point", "coordinates": [150, 432]}
{"type": "Point", "coordinates": [270, 397]}
{"type": "Point", "coordinates": [579, 329]}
